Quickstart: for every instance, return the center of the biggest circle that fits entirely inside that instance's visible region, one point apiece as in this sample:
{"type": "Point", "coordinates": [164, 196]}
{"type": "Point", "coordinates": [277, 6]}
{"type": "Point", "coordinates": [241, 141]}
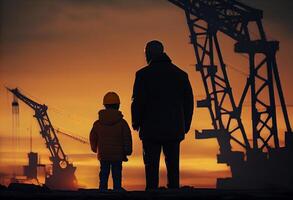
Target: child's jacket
{"type": "Point", "coordinates": [110, 136]}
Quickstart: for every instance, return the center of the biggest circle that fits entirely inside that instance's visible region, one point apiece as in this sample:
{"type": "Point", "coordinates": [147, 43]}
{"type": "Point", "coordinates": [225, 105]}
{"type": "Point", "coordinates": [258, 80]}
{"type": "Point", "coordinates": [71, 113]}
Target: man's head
{"type": "Point", "coordinates": [153, 49]}
{"type": "Point", "coordinates": [111, 101]}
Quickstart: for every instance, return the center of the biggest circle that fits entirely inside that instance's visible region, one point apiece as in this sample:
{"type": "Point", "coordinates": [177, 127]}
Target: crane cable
{"type": "Point", "coordinates": [72, 136]}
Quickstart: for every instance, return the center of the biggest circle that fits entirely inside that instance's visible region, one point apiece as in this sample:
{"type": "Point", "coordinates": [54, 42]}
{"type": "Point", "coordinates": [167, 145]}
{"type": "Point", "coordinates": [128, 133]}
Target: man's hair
{"type": "Point", "coordinates": [112, 106]}
{"type": "Point", "coordinates": [155, 47]}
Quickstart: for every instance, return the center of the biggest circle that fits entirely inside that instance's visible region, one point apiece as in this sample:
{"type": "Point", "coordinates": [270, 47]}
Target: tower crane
{"type": "Point", "coordinates": [264, 162]}
{"type": "Point", "coordinates": [63, 172]}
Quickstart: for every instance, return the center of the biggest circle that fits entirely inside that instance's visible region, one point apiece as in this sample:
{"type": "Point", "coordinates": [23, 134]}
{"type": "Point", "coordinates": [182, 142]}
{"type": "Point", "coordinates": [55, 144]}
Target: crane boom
{"type": "Point", "coordinates": [231, 17]}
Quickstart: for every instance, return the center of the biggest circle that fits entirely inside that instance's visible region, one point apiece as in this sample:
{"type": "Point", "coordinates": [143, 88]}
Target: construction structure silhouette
{"type": "Point", "coordinates": [264, 163]}
{"type": "Point", "coordinates": [62, 175]}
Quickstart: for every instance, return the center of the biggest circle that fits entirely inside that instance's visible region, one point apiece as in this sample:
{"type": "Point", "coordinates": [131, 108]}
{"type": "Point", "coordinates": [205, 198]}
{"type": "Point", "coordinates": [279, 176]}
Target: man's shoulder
{"type": "Point", "coordinates": [180, 71]}
{"type": "Point", "coordinates": [142, 71]}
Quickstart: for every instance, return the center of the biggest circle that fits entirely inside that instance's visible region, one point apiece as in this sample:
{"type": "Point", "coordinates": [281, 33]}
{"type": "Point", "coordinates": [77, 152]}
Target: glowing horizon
{"type": "Point", "coordinates": [69, 59]}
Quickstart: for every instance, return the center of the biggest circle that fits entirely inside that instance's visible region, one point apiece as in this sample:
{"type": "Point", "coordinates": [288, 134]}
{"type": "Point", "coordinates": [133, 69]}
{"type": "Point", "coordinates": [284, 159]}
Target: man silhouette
{"type": "Point", "coordinates": [162, 108]}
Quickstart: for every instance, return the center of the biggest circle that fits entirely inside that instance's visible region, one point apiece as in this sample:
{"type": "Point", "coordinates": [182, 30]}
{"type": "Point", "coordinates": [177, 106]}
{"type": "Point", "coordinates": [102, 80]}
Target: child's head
{"type": "Point", "coordinates": [111, 101]}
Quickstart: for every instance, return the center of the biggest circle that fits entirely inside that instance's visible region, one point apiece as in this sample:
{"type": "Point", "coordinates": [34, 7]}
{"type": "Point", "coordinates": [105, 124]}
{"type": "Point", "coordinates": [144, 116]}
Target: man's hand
{"type": "Point", "coordinates": [135, 127]}
{"type": "Point", "coordinates": [125, 159]}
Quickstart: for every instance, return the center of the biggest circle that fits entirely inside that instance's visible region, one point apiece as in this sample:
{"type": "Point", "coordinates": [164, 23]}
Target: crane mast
{"type": "Point", "coordinates": [256, 165]}
{"type": "Point", "coordinates": [62, 176]}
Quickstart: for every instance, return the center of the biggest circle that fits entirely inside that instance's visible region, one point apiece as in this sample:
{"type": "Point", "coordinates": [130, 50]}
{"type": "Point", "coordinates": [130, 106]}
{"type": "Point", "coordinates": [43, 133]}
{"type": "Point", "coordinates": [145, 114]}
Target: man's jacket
{"type": "Point", "coordinates": [162, 101]}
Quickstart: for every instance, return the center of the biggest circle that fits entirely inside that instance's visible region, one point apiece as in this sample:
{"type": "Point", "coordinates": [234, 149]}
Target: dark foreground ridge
{"type": "Point", "coordinates": [31, 192]}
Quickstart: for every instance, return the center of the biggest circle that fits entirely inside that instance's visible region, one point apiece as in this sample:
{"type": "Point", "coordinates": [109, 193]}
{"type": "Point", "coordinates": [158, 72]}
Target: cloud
{"type": "Point", "coordinates": [140, 4]}
{"type": "Point", "coordinates": [33, 20]}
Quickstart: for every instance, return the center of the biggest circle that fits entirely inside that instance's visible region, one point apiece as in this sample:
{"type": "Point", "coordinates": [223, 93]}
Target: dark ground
{"type": "Point", "coordinates": [35, 192]}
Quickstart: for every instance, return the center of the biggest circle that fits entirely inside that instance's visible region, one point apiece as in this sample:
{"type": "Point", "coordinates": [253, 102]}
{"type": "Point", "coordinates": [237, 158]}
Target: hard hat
{"type": "Point", "coordinates": [111, 98]}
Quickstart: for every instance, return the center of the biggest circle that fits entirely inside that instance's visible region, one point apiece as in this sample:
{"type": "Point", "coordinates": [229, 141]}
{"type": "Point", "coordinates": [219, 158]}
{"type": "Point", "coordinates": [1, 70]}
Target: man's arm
{"type": "Point", "coordinates": [94, 139]}
{"type": "Point", "coordinates": [137, 102]}
{"type": "Point", "coordinates": [188, 104]}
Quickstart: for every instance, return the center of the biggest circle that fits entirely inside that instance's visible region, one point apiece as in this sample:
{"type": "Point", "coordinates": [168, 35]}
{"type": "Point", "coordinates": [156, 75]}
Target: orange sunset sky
{"type": "Point", "coordinates": [67, 54]}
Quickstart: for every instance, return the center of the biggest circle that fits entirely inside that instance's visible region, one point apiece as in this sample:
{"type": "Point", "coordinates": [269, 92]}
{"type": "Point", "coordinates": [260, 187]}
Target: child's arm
{"type": "Point", "coordinates": [94, 139]}
{"type": "Point", "coordinates": [127, 139]}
